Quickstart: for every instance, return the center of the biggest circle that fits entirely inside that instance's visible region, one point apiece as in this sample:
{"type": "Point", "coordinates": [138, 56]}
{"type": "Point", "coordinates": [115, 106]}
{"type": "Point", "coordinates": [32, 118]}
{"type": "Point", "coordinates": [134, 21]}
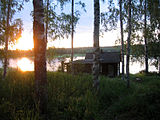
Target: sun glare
{"type": "Point", "coordinates": [25, 64]}
{"type": "Point", "coordinates": [25, 42]}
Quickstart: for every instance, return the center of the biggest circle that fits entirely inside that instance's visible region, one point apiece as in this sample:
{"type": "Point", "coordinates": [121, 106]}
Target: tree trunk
{"type": "Point", "coordinates": [96, 55]}
{"type": "Point", "coordinates": [128, 43]}
{"type": "Point", "coordinates": [145, 38]}
{"type": "Point", "coordinates": [72, 35]}
{"type": "Point", "coordinates": [159, 64]}
{"type": "Point", "coordinates": [40, 56]}
{"type": "Point", "coordinates": [0, 10]}
{"type": "Point", "coordinates": [47, 7]}
{"type": "Point", "coordinates": [6, 40]}
{"type": "Point", "coordinates": [122, 40]}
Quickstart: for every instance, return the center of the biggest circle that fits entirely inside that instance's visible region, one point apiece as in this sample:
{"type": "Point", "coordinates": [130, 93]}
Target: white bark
{"type": "Point", "coordinates": [122, 40]}
{"type": "Point", "coordinates": [159, 65]}
{"type": "Point", "coordinates": [96, 45]}
{"type": "Point", "coordinates": [72, 36]}
{"type": "Point", "coordinates": [7, 39]}
{"type": "Point", "coordinates": [145, 37]}
{"type": "Point", "coordinates": [128, 44]}
{"type": "Point", "coordinates": [40, 56]}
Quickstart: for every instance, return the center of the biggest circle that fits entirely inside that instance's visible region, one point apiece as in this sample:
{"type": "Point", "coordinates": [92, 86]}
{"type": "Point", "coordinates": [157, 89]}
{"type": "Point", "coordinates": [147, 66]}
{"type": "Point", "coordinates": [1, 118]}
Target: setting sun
{"type": "Point", "coordinates": [25, 42]}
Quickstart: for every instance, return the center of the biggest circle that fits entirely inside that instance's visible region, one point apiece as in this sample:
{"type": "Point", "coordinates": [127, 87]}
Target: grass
{"type": "Point", "coordinates": [73, 98]}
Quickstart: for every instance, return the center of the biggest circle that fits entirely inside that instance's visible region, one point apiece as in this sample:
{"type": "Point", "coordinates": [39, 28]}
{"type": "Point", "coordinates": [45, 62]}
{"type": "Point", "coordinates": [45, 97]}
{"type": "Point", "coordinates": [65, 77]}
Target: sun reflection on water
{"type": "Point", "coordinates": [25, 64]}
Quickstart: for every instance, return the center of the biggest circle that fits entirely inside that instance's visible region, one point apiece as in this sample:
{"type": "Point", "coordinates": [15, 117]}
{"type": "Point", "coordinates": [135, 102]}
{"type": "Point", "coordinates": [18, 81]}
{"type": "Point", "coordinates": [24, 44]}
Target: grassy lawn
{"type": "Point", "coordinates": [73, 98]}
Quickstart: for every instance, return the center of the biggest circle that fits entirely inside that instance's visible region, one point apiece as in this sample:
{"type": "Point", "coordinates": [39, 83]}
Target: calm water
{"type": "Point", "coordinates": [136, 67]}
{"type": "Point", "coordinates": [27, 64]}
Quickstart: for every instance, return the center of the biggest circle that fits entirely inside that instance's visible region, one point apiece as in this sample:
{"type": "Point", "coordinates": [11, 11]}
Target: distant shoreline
{"type": "Point", "coordinates": [52, 52]}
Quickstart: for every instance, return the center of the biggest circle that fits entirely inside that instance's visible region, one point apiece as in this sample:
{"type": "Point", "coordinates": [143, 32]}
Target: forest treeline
{"type": "Point", "coordinates": [52, 51]}
{"type": "Point", "coordinates": [136, 51]}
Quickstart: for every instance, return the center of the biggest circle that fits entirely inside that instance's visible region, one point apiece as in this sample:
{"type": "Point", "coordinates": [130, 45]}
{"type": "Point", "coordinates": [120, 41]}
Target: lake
{"type": "Point", "coordinates": [27, 64]}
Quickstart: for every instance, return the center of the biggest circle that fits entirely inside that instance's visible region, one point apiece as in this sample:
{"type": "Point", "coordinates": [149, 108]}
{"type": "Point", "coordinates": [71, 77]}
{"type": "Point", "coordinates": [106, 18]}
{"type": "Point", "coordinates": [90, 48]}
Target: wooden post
{"type": "Point", "coordinates": [118, 71]}
{"type": "Point", "coordinates": [62, 65]}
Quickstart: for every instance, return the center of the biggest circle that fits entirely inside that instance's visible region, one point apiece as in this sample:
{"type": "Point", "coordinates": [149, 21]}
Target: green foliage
{"type": "Point", "coordinates": [137, 52]}
{"type": "Point", "coordinates": [59, 23]}
{"type": "Point", "coordinates": [73, 98]}
{"type": "Point", "coordinates": [15, 25]}
{"type": "Point", "coordinates": [81, 50]}
{"type": "Point", "coordinates": [109, 19]}
{"type": "Point", "coordinates": [17, 53]}
{"type": "Point", "coordinates": [153, 10]}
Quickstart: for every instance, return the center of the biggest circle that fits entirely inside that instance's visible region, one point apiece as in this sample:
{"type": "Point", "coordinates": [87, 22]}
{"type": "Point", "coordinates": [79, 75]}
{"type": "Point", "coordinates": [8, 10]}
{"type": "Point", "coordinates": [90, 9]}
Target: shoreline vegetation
{"type": "Point", "coordinates": [54, 52]}
{"type": "Point", "coordinates": [72, 97]}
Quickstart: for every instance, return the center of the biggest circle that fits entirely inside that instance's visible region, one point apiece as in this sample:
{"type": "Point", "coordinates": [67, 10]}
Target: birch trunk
{"type": "Point", "coordinates": [159, 64]}
{"type": "Point", "coordinates": [122, 40]}
{"type": "Point", "coordinates": [96, 45]}
{"type": "Point", "coordinates": [145, 38]}
{"type": "Point", "coordinates": [47, 7]}
{"type": "Point", "coordinates": [40, 55]}
{"type": "Point", "coordinates": [0, 10]}
{"type": "Point", "coordinates": [72, 35]}
{"type": "Point", "coordinates": [128, 44]}
{"type": "Point", "coordinates": [6, 40]}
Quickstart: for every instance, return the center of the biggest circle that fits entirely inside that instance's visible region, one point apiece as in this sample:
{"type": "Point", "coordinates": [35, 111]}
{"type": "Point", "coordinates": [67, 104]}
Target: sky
{"type": "Point", "coordinates": [83, 36]}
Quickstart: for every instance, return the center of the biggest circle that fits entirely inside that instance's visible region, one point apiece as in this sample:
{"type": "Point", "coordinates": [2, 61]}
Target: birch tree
{"type": "Point", "coordinates": [10, 29]}
{"type": "Point", "coordinates": [148, 24]}
{"type": "Point", "coordinates": [0, 10]}
{"type": "Point", "coordinates": [73, 18]}
{"type": "Point", "coordinates": [153, 7]}
{"type": "Point", "coordinates": [96, 54]}
{"type": "Point", "coordinates": [145, 36]}
{"type": "Point", "coordinates": [40, 55]}
{"type": "Point", "coordinates": [72, 35]}
{"type": "Point", "coordinates": [6, 40]}
{"type": "Point", "coordinates": [122, 37]}
{"type": "Point", "coordinates": [58, 26]}
{"type": "Point", "coordinates": [128, 43]}
{"type": "Point", "coordinates": [110, 22]}
{"type": "Point", "coordinates": [47, 19]}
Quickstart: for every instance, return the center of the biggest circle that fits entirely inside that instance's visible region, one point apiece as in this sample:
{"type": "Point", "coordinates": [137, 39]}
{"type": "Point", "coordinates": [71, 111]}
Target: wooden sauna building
{"type": "Point", "coordinates": [109, 64]}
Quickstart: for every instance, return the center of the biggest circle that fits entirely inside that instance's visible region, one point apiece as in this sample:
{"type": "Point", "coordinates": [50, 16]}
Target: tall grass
{"type": "Point", "coordinates": [73, 98]}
